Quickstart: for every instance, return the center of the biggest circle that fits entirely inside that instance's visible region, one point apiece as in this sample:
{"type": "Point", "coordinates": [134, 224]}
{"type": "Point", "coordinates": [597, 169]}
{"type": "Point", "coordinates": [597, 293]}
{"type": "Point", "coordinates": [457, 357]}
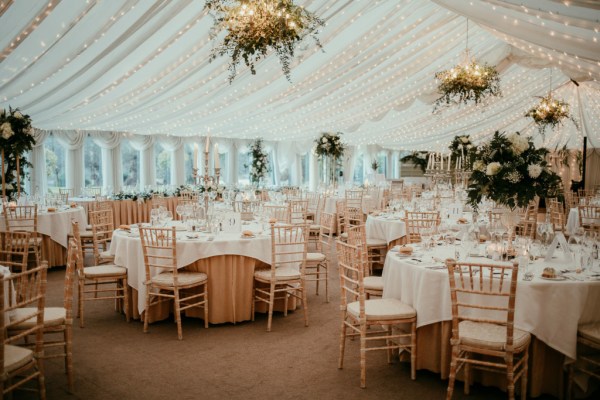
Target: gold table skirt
{"type": "Point", "coordinates": [545, 374]}
{"type": "Point", "coordinates": [230, 283]}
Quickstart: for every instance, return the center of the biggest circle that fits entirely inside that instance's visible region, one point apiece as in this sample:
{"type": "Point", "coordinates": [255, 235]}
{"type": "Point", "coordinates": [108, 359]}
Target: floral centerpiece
{"type": "Point", "coordinates": [330, 149]}
{"type": "Point", "coordinates": [16, 138]}
{"type": "Point", "coordinates": [467, 83]}
{"type": "Point", "coordinates": [511, 171]}
{"type": "Point", "coordinates": [260, 162]}
{"type": "Point", "coordinates": [418, 158]}
{"type": "Point", "coordinates": [550, 112]}
{"type": "Point", "coordinates": [461, 148]}
{"type": "Point", "coordinates": [254, 28]}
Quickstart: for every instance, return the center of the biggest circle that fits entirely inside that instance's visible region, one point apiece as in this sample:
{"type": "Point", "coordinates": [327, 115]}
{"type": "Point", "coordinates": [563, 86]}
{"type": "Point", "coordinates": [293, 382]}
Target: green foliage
{"type": "Point", "coordinates": [461, 146]}
{"type": "Point", "coordinates": [16, 138]}
{"type": "Point", "coordinates": [470, 83]}
{"type": "Point", "coordinates": [418, 158]}
{"type": "Point", "coordinates": [330, 145]}
{"type": "Point", "coordinates": [260, 162]}
{"type": "Point", "coordinates": [511, 171]}
{"type": "Point", "coordinates": [550, 113]}
{"type": "Point", "coordinates": [254, 28]}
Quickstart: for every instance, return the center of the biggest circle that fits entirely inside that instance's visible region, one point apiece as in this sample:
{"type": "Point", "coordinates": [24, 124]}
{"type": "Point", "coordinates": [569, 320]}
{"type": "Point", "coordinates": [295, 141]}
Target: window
{"type": "Point", "coordinates": [188, 161]}
{"type": "Point", "coordinates": [359, 171]}
{"type": "Point", "coordinates": [131, 164]}
{"type": "Point", "coordinates": [382, 161]}
{"type": "Point", "coordinates": [244, 163]}
{"type": "Point", "coordinates": [55, 163]}
{"type": "Point", "coordinates": [304, 169]}
{"type": "Point", "coordinates": [223, 158]}
{"type": "Point", "coordinates": [162, 165]}
{"type": "Point", "coordinates": [92, 161]}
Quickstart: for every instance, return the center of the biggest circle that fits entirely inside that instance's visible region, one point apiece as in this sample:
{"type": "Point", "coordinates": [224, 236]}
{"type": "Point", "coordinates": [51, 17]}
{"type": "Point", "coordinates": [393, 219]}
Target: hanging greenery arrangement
{"type": "Point", "coordinates": [256, 28]}
{"type": "Point", "coordinates": [550, 112]}
{"type": "Point", "coordinates": [467, 83]}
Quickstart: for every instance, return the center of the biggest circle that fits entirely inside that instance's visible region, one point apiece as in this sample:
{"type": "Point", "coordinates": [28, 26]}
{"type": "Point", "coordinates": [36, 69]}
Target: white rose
{"type": "Point", "coordinates": [518, 143]}
{"type": "Point", "coordinates": [464, 139]}
{"type": "Point", "coordinates": [469, 146]}
{"type": "Point", "coordinates": [7, 131]}
{"type": "Point", "coordinates": [324, 140]}
{"type": "Point", "coordinates": [493, 168]}
{"type": "Point", "coordinates": [258, 163]}
{"type": "Point", "coordinates": [18, 115]}
{"type": "Point", "coordinates": [534, 170]}
{"type": "Point", "coordinates": [9, 186]}
{"type": "Point", "coordinates": [479, 166]}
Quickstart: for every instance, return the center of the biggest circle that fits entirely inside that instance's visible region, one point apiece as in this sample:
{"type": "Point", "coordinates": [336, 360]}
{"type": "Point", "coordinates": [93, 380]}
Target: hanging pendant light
{"type": "Point", "coordinates": [550, 111]}
{"type": "Point", "coordinates": [254, 29]}
{"type": "Point", "coordinates": [467, 82]}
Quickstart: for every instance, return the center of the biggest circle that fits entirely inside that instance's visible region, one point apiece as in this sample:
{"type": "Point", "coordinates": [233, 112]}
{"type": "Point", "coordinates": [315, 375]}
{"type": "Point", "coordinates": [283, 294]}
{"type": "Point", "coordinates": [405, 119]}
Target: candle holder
{"type": "Point", "coordinates": [206, 180]}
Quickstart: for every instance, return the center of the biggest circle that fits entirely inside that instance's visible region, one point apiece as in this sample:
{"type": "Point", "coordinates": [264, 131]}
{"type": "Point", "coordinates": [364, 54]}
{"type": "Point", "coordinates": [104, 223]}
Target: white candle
{"type": "Point", "coordinates": [429, 162]}
{"type": "Point", "coordinates": [207, 143]}
{"type": "Point", "coordinates": [216, 156]}
{"type": "Point", "coordinates": [449, 161]}
{"type": "Point", "coordinates": [195, 155]}
{"type": "Point", "coordinates": [441, 161]}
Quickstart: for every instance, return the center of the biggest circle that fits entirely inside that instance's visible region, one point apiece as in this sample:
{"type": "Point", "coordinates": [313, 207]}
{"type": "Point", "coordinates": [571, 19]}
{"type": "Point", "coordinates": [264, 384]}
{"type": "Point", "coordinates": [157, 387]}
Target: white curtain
{"type": "Point", "coordinates": [145, 145]}
{"type": "Point", "coordinates": [72, 141]}
{"type": "Point", "coordinates": [38, 161]}
{"type": "Point", "coordinates": [110, 145]}
{"type": "Point", "coordinates": [175, 145]}
{"type": "Point", "coordinates": [350, 163]}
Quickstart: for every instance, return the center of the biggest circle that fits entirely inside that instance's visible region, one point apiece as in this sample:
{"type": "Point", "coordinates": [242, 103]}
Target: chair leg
{"type": "Point", "coordinates": [452, 376]}
{"type": "Point", "coordinates": [327, 283]}
{"type": "Point", "coordinates": [524, 375]}
{"type": "Point", "coordinates": [271, 302]}
{"type": "Point", "coordinates": [126, 299]}
{"type": "Point", "coordinates": [80, 300]}
{"type": "Point", "coordinates": [342, 341]}
{"type": "Point", "coordinates": [178, 314]}
{"type": "Point", "coordinates": [147, 310]}
{"type": "Point", "coordinates": [467, 370]}
{"type": "Point", "coordinates": [388, 343]}
{"type": "Point", "coordinates": [253, 305]}
{"type": "Point", "coordinates": [413, 351]}
{"type": "Point", "coordinates": [206, 305]}
{"type": "Point", "coordinates": [41, 380]}
{"type": "Point", "coordinates": [68, 336]}
{"type": "Point", "coordinates": [318, 275]}
{"type": "Point", "coordinates": [363, 356]}
{"type": "Point", "coordinates": [304, 301]}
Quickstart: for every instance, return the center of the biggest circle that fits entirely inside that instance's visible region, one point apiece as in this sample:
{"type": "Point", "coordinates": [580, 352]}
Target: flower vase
{"type": "Point", "coordinates": [510, 218]}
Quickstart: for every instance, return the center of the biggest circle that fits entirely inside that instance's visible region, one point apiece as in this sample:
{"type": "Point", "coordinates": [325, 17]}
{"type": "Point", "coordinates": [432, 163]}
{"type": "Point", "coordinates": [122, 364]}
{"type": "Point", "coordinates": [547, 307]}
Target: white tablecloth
{"type": "Point", "coordinates": [572, 220]}
{"type": "Point", "coordinates": [385, 227]}
{"type": "Point", "coordinates": [57, 225]}
{"type": "Point", "coordinates": [128, 253]}
{"type": "Point", "coordinates": [550, 310]}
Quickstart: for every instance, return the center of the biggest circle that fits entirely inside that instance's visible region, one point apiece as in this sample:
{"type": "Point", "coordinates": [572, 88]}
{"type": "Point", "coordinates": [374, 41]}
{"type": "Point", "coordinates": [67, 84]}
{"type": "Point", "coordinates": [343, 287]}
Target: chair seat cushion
{"type": "Point", "coordinates": [315, 257]}
{"type": "Point", "coordinates": [281, 274]}
{"type": "Point", "coordinates": [376, 242]}
{"type": "Point", "coordinates": [105, 255]}
{"type": "Point", "coordinates": [315, 227]}
{"type": "Point", "coordinates": [184, 278]}
{"type": "Point", "coordinates": [15, 357]}
{"type": "Point", "coordinates": [373, 283]}
{"type": "Point", "coordinates": [590, 331]}
{"type": "Point", "coordinates": [382, 309]}
{"type": "Point", "coordinates": [86, 234]}
{"type": "Point", "coordinates": [490, 336]}
{"type": "Point", "coordinates": [100, 271]}
{"type": "Point", "coordinates": [344, 235]}
{"type": "Point", "coordinates": [53, 316]}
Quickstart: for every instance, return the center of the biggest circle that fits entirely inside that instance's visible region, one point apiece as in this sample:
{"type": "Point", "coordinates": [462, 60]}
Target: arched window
{"type": "Point", "coordinates": [130, 159]}
{"type": "Point", "coordinates": [92, 161]}
{"type": "Point", "coordinates": [162, 165]}
{"type": "Point", "coordinates": [55, 163]}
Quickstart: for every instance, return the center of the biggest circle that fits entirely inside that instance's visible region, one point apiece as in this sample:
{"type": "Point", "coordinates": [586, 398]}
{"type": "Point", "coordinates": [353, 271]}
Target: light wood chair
{"type": "Point", "coordinates": [103, 225]}
{"type": "Point", "coordinates": [588, 355]}
{"type": "Point", "coordinates": [320, 258]}
{"type": "Point", "coordinates": [19, 364]}
{"type": "Point", "coordinates": [58, 321]}
{"type": "Point", "coordinates": [483, 309]}
{"type": "Point", "coordinates": [164, 282]}
{"type": "Point", "coordinates": [340, 206]}
{"type": "Point", "coordinates": [557, 215]}
{"type": "Point", "coordinates": [298, 210]}
{"type": "Point", "coordinates": [25, 219]}
{"type": "Point", "coordinates": [357, 236]}
{"type": "Point", "coordinates": [100, 282]}
{"type": "Point", "coordinates": [68, 191]}
{"type": "Point", "coordinates": [14, 253]}
{"type": "Point", "coordinates": [589, 218]}
{"type": "Point", "coordinates": [278, 212]}
{"type": "Point", "coordinates": [360, 316]}
{"type": "Point", "coordinates": [94, 191]}
{"type": "Point", "coordinates": [415, 226]}
{"type": "Point", "coordinates": [286, 276]}
{"type": "Point", "coordinates": [528, 224]}
{"type": "Point", "coordinates": [354, 198]}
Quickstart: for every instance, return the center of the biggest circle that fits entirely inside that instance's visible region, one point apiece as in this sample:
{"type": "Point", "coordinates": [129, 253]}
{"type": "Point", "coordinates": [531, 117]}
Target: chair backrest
{"type": "Point", "coordinates": [158, 200]}
{"type": "Point", "coordinates": [298, 210]}
{"type": "Point", "coordinates": [29, 289]}
{"type": "Point", "coordinates": [589, 217]}
{"type": "Point", "coordinates": [21, 219]}
{"type": "Point", "coordinates": [423, 215]}
{"type": "Point", "coordinates": [351, 272]}
{"type": "Point", "coordinates": [94, 191]}
{"type": "Point", "coordinates": [278, 212]}
{"type": "Point", "coordinates": [483, 293]}
{"type": "Point", "coordinates": [103, 225]}
{"type": "Point", "coordinates": [557, 215]}
{"type": "Point", "coordinates": [315, 202]}
{"type": "Point", "coordinates": [357, 236]}
{"type": "Point", "coordinates": [354, 198]}
{"type": "Point", "coordinates": [101, 205]}
{"type": "Point", "coordinates": [188, 195]}
{"type": "Point", "coordinates": [69, 191]}
{"type": "Point", "coordinates": [15, 250]}
{"type": "Point", "coordinates": [246, 206]}
{"type": "Point", "coordinates": [353, 216]}
{"type": "Point", "coordinates": [159, 246]}
{"type": "Point", "coordinates": [340, 206]}
{"type": "Point", "coordinates": [289, 245]}
{"type": "Point", "coordinates": [416, 226]}
{"type": "Point", "coordinates": [80, 261]}
{"type": "Point", "coordinates": [326, 232]}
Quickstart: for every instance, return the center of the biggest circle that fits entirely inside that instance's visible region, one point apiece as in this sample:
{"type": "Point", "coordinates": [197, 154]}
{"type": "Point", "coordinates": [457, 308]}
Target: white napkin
{"type": "Point", "coordinates": [4, 270]}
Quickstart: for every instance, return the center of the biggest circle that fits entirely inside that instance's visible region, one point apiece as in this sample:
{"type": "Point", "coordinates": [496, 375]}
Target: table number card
{"type": "Point", "coordinates": [232, 222]}
{"type": "Point", "coordinates": [559, 241]}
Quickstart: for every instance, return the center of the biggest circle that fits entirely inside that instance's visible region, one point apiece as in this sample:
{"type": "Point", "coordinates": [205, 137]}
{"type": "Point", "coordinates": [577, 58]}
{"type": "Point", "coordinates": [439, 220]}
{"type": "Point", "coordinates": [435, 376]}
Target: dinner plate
{"type": "Point", "coordinates": [557, 278]}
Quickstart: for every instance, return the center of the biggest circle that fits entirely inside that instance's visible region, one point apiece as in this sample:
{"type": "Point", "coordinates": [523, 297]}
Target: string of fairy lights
{"type": "Point", "coordinates": [374, 82]}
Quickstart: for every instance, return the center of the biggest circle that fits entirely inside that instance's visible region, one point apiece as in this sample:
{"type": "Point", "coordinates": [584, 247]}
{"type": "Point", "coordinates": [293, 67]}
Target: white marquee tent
{"type": "Point", "coordinates": [141, 67]}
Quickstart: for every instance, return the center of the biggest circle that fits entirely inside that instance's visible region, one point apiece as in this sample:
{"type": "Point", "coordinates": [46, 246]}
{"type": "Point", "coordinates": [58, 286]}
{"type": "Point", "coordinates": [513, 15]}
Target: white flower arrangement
{"type": "Point", "coordinates": [534, 170]}
{"type": "Point", "coordinates": [493, 168]}
{"type": "Point", "coordinates": [16, 139]}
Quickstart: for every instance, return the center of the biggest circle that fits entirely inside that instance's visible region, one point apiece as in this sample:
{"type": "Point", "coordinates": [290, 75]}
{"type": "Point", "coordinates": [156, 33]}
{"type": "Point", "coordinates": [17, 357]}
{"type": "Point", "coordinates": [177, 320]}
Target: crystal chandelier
{"type": "Point", "coordinates": [256, 28]}
{"type": "Point", "coordinates": [467, 82]}
{"type": "Point", "coordinates": [550, 111]}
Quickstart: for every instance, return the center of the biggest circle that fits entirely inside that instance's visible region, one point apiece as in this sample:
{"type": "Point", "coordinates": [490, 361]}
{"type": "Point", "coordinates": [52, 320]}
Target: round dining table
{"type": "Point", "coordinates": [228, 258]}
{"type": "Point", "coordinates": [550, 310]}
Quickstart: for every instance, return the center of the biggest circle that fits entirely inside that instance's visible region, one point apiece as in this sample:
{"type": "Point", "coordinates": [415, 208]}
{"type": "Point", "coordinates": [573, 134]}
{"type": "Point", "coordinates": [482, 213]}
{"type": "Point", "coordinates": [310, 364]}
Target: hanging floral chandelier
{"type": "Point", "coordinates": [550, 112]}
{"type": "Point", "coordinates": [467, 82]}
{"type": "Point", "coordinates": [255, 28]}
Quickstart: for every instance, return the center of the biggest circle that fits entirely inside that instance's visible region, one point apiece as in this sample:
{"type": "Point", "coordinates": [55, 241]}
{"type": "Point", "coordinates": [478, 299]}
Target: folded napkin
{"type": "Point", "coordinates": [4, 270]}
{"type": "Point", "coordinates": [125, 227]}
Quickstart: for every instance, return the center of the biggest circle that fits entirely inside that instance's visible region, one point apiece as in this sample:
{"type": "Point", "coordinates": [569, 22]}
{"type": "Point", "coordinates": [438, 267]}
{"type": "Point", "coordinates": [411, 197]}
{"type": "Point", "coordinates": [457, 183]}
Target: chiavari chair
{"type": "Point", "coordinates": [318, 262]}
{"type": "Point", "coordinates": [25, 219]}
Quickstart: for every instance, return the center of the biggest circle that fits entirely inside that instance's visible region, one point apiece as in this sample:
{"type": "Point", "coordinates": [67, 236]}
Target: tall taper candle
{"type": "Point", "coordinates": [195, 156]}
{"type": "Point", "coordinates": [216, 156]}
{"type": "Point", "coordinates": [207, 143]}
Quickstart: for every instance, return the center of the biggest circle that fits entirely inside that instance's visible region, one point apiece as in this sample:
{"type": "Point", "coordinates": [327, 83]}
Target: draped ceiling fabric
{"type": "Point", "coordinates": [142, 67]}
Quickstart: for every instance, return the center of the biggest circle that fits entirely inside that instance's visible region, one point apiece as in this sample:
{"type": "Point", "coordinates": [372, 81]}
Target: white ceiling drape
{"type": "Point", "coordinates": [142, 67]}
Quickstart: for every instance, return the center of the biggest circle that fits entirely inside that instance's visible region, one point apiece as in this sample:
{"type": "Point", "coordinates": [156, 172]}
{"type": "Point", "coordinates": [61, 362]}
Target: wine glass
{"type": "Point", "coordinates": [179, 210]}
{"type": "Point", "coordinates": [154, 215]}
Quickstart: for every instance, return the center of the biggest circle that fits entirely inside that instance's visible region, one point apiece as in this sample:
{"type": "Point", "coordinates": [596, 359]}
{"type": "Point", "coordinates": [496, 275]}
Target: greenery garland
{"type": "Point", "coordinates": [418, 158]}
{"type": "Point", "coordinates": [467, 83]}
{"type": "Point", "coordinates": [260, 162]}
{"type": "Point", "coordinates": [16, 138]}
{"type": "Point", "coordinates": [254, 28]}
{"type": "Point", "coordinates": [511, 171]}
